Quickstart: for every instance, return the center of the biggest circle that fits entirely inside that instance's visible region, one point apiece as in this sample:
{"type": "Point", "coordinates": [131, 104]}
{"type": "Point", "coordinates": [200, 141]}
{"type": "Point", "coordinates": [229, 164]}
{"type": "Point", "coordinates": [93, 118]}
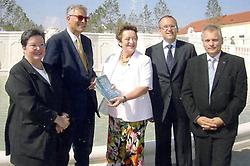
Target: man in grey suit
{"type": "Point", "coordinates": [214, 94]}
{"type": "Point", "coordinates": [169, 59]}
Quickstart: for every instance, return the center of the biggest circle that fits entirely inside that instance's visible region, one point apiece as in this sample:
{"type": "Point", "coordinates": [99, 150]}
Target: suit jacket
{"type": "Point", "coordinates": [61, 53]}
{"type": "Point", "coordinates": [228, 96]}
{"type": "Point", "coordinates": [34, 104]}
{"type": "Point", "coordinates": [166, 86]}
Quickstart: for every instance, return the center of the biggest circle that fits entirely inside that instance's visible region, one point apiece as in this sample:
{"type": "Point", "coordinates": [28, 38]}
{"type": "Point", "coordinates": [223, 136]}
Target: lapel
{"type": "Point", "coordinates": [32, 72]}
{"type": "Point", "coordinates": [177, 58]}
{"type": "Point", "coordinates": [160, 59]}
{"type": "Point", "coordinates": [112, 62]}
{"type": "Point", "coordinates": [203, 73]}
{"type": "Point", "coordinates": [51, 75]}
{"type": "Point", "coordinates": [220, 68]}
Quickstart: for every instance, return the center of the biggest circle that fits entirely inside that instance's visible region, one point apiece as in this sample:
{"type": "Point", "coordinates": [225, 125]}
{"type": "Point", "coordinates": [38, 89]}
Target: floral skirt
{"type": "Point", "coordinates": [125, 142]}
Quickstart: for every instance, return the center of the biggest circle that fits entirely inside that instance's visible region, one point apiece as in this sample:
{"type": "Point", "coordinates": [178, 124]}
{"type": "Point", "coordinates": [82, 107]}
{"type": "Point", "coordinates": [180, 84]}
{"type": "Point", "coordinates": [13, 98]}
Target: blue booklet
{"type": "Point", "coordinates": [104, 86]}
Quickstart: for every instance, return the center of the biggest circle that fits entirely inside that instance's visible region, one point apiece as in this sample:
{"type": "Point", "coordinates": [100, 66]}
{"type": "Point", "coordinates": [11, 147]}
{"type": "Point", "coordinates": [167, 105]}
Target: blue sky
{"type": "Point", "coordinates": [52, 12]}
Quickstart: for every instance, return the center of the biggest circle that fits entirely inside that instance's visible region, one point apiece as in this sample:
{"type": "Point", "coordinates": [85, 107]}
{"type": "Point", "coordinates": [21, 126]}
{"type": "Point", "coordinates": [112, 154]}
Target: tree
{"type": "Point", "coordinates": [146, 20]}
{"type": "Point", "coordinates": [133, 18]}
{"type": "Point", "coordinates": [105, 18]}
{"type": "Point", "coordinates": [161, 10]}
{"type": "Point", "coordinates": [112, 14]}
{"type": "Point", "coordinates": [121, 21]}
{"type": "Point", "coordinates": [213, 9]}
{"type": "Point", "coordinates": [95, 23]}
{"type": "Point", "coordinates": [12, 17]}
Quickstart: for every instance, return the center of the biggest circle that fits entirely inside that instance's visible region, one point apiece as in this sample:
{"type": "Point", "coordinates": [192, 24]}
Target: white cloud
{"type": "Point", "coordinates": [53, 21]}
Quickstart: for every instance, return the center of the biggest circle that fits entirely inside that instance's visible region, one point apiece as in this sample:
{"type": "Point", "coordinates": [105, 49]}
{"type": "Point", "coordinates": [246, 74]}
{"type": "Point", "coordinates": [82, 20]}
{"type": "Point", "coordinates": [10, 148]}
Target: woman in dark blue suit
{"type": "Point", "coordinates": [35, 114]}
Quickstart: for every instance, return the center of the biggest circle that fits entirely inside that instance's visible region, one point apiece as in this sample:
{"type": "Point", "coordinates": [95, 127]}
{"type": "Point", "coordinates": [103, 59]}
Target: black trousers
{"type": "Point", "coordinates": [213, 151]}
{"type": "Point", "coordinates": [80, 136]}
{"type": "Point", "coordinates": [182, 140]}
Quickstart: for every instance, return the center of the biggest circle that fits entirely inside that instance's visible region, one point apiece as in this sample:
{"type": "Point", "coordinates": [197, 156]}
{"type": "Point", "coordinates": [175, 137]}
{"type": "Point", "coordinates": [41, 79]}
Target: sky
{"type": "Point", "coordinates": [52, 12]}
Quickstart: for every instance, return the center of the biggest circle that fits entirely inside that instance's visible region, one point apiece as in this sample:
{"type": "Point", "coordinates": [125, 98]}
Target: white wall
{"type": "Point", "coordinates": [104, 44]}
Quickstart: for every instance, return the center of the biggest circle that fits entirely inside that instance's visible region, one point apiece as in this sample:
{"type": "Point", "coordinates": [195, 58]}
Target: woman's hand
{"type": "Point", "coordinates": [117, 101]}
{"type": "Point", "coordinates": [62, 123]}
{"type": "Point", "coordinates": [92, 84]}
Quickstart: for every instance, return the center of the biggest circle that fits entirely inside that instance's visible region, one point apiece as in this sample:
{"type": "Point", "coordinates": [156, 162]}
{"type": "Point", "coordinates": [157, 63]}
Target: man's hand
{"type": "Point", "coordinates": [62, 122]}
{"type": "Point", "coordinates": [92, 84]}
{"type": "Point", "coordinates": [206, 123]}
{"type": "Point", "coordinates": [218, 121]}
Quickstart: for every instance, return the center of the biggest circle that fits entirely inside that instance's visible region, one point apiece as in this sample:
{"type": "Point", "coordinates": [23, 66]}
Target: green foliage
{"type": "Point", "coordinates": [13, 18]}
{"type": "Point", "coordinates": [105, 18]}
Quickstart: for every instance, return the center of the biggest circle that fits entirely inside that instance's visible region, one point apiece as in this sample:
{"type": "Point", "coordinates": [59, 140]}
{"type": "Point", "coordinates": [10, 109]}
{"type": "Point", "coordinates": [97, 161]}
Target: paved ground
{"type": "Point", "coordinates": [240, 158]}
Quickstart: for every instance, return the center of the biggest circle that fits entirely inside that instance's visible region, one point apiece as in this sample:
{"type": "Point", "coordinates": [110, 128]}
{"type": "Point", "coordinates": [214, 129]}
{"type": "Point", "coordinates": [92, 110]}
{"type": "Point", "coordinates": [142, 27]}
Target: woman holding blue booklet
{"type": "Point", "coordinates": [130, 72]}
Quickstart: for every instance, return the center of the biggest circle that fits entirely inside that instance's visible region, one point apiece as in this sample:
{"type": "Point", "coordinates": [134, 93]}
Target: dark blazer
{"type": "Point", "coordinates": [228, 96]}
{"type": "Point", "coordinates": [61, 53]}
{"type": "Point", "coordinates": [166, 85]}
{"type": "Point", "coordinates": [34, 104]}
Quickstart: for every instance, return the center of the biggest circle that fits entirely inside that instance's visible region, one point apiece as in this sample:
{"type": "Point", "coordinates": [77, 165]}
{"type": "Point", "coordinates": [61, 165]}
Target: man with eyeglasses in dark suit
{"type": "Point", "coordinates": [169, 59]}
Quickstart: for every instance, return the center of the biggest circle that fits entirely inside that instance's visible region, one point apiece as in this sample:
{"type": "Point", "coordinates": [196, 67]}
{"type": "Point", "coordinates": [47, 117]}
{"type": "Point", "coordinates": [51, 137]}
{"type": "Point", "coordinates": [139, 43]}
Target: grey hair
{"type": "Point", "coordinates": [73, 7]}
{"type": "Point", "coordinates": [211, 27]}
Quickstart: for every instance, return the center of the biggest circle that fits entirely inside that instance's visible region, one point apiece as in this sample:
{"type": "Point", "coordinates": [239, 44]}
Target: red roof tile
{"type": "Point", "coordinates": [223, 20]}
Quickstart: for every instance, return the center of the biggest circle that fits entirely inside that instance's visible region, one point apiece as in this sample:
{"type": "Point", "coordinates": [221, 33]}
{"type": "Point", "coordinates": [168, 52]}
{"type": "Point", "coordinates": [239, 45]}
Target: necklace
{"type": "Point", "coordinates": [124, 60]}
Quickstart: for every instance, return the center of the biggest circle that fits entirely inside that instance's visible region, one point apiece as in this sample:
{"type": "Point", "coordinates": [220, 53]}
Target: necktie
{"type": "Point", "coordinates": [211, 74]}
{"type": "Point", "coordinates": [170, 58]}
{"type": "Point", "coordinates": [81, 53]}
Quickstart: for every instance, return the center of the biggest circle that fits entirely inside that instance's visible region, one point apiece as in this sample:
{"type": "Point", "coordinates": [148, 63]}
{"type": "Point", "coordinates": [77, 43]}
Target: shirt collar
{"type": "Point", "coordinates": [72, 36]}
{"type": "Point", "coordinates": [164, 44]}
{"type": "Point", "coordinates": [217, 57]}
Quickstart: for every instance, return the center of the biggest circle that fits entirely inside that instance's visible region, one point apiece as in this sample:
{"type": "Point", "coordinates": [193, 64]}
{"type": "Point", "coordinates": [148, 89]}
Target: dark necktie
{"type": "Point", "coordinates": [170, 58]}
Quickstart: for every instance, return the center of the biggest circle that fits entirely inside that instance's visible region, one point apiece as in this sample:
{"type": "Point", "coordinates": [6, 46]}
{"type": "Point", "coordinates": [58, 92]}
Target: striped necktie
{"type": "Point", "coordinates": [81, 53]}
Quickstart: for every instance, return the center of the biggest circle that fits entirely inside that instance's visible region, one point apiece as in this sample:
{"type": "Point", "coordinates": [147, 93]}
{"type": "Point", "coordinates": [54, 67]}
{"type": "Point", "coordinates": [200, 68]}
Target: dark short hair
{"type": "Point", "coordinates": [123, 28]}
{"type": "Point", "coordinates": [168, 16]}
{"type": "Point", "coordinates": [29, 33]}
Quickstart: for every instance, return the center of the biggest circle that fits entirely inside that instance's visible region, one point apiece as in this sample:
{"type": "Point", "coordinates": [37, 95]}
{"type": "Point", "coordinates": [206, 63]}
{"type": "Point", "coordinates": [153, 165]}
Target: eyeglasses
{"type": "Point", "coordinates": [165, 27]}
{"type": "Point", "coordinates": [80, 17]}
